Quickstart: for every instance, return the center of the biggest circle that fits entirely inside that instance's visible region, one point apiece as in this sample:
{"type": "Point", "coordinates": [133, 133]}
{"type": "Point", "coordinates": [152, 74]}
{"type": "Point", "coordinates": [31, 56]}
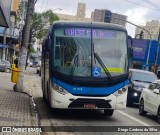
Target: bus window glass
{"type": "Point", "coordinates": [112, 49]}
{"type": "Point", "coordinates": [73, 57]}
{"type": "Point", "coordinates": [72, 54]}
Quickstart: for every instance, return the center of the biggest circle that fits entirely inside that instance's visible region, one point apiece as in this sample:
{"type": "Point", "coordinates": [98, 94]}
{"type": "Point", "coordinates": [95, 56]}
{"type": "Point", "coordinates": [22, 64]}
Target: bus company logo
{"type": "Point", "coordinates": [6, 129]}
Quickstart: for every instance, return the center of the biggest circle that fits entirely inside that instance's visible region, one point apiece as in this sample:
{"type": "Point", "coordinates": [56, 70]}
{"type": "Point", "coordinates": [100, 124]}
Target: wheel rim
{"type": "Point", "coordinates": [141, 108]}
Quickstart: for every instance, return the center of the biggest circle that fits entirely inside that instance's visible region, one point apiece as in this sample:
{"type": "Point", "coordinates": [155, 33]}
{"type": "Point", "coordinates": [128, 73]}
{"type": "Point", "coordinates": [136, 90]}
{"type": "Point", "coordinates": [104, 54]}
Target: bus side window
{"type": "Point", "coordinates": [47, 49]}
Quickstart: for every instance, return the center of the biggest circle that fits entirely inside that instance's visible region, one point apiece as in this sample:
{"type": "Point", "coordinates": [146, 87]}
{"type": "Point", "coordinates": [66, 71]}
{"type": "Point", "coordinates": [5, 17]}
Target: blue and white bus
{"type": "Point", "coordinates": [85, 66]}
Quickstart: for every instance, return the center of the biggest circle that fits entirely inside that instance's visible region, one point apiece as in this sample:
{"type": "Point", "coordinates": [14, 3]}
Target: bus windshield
{"type": "Point", "coordinates": [75, 49]}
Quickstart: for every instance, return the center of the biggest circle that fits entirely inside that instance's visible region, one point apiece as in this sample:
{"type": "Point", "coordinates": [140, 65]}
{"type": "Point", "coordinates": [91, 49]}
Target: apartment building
{"type": "Point", "coordinates": [80, 15]}
{"type": "Point", "coordinates": [104, 15]}
{"type": "Point", "coordinates": [153, 27]}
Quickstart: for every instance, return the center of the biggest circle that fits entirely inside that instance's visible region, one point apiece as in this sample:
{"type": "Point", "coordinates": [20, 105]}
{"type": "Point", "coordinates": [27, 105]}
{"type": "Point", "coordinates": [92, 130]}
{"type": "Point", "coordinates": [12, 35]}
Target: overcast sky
{"type": "Point", "coordinates": [136, 13]}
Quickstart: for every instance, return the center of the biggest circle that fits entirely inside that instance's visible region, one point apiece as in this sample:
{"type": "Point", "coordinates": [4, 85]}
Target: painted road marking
{"type": "Point", "coordinates": [133, 118]}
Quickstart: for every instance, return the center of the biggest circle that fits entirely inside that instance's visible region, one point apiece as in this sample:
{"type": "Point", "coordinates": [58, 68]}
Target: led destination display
{"type": "Point", "coordinates": [86, 33]}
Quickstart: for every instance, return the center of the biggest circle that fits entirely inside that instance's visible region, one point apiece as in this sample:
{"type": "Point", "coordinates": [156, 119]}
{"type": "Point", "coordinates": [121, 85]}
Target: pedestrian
{"type": "Point", "coordinates": [16, 62]}
{"type": "Point", "coordinates": [26, 65]}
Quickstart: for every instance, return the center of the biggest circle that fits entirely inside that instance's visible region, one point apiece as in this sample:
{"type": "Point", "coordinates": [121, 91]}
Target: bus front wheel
{"type": "Point", "coordinates": [108, 112]}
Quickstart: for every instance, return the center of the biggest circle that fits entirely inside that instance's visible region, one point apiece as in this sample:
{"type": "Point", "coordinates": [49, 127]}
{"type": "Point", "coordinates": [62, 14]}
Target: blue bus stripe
{"type": "Point", "coordinates": [89, 90]}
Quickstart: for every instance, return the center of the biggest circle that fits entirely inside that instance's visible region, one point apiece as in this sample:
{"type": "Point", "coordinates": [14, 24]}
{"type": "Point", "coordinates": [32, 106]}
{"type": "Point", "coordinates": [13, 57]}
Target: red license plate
{"type": "Point", "coordinates": [89, 106]}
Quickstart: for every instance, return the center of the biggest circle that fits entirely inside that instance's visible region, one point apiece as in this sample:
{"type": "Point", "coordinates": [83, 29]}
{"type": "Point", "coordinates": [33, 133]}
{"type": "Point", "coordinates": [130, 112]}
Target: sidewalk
{"type": "Point", "coordinates": [16, 109]}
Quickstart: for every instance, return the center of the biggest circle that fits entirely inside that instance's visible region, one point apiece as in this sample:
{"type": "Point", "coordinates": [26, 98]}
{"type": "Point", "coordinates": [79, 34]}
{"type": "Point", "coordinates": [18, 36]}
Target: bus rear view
{"type": "Point", "coordinates": [85, 66]}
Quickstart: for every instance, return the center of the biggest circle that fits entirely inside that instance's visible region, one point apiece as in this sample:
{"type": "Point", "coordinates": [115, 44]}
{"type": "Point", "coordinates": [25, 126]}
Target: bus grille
{"type": "Point", "coordinates": [80, 102]}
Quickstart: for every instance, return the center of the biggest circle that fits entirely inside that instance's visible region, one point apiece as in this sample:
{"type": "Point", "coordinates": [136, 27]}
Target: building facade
{"type": "Point", "coordinates": [80, 16]}
{"type": "Point", "coordinates": [104, 15]}
{"type": "Point", "coordinates": [153, 27]}
{"type": "Point", "coordinates": [9, 36]}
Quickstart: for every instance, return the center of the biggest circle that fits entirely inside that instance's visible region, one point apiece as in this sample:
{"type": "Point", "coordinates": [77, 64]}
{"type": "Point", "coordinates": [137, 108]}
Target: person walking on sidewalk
{"type": "Point", "coordinates": [16, 62]}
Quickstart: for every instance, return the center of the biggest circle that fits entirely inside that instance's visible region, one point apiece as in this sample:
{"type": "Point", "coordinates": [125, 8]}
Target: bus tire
{"type": "Point", "coordinates": [43, 95]}
{"type": "Point", "coordinates": [108, 112]}
{"type": "Point", "coordinates": [40, 73]}
{"type": "Point", "coordinates": [54, 111]}
{"type": "Point", "coordinates": [37, 71]}
{"type": "Point", "coordinates": [48, 95]}
{"type": "Point", "coordinates": [44, 98]}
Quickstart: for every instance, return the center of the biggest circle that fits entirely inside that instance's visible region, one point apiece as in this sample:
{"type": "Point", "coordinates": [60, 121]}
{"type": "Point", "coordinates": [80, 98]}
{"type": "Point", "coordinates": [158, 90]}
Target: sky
{"type": "Point", "coordinates": [138, 11]}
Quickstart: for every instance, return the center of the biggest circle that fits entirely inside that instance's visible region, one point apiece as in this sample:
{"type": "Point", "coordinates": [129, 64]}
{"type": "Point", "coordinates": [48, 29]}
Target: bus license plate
{"type": "Point", "coordinates": [89, 106]}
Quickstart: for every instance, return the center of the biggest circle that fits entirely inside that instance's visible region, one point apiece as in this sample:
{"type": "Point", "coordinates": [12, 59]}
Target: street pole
{"type": "Point", "coordinates": [156, 58]}
{"type": "Point", "coordinates": [150, 42]}
{"type": "Point", "coordinates": [4, 43]}
{"type": "Point", "coordinates": [24, 45]}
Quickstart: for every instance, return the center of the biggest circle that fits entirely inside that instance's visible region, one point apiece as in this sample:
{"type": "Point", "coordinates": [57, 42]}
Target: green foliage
{"type": "Point", "coordinates": [31, 50]}
{"type": "Point", "coordinates": [22, 9]}
{"type": "Point", "coordinates": [50, 16]}
{"type": "Point", "coordinates": [38, 23]}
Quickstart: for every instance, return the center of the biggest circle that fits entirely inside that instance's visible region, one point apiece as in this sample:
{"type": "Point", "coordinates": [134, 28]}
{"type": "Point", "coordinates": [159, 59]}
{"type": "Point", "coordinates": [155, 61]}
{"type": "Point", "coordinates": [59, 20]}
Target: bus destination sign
{"type": "Point", "coordinates": [86, 33]}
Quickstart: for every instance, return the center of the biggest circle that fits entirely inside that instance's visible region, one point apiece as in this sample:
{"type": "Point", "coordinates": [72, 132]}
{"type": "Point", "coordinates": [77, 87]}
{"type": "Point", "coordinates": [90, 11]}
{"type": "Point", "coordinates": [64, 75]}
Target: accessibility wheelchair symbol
{"type": "Point", "coordinates": [96, 72]}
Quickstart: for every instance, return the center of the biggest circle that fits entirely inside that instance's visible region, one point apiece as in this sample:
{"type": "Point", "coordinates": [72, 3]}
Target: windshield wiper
{"type": "Point", "coordinates": [138, 80]}
{"type": "Point", "coordinates": [147, 81]}
{"type": "Point", "coordinates": [103, 66]}
{"type": "Point", "coordinates": [96, 56]}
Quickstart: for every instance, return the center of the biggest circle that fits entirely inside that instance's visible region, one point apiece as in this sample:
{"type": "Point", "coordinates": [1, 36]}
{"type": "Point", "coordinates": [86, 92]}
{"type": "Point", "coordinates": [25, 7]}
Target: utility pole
{"type": "Point", "coordinates": [4, 43]}
{"type": "Point", "coordinates": [24, 45]}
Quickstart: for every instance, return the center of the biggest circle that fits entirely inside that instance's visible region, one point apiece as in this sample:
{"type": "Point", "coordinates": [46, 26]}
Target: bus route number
{"type": "Point", "coordinates": [79, 89]}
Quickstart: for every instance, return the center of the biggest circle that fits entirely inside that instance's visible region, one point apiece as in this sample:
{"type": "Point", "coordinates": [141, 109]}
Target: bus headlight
{"type": "Point", "coordinates": [120, 91]}
{"type": "Point", "coordinates": [59, 89]}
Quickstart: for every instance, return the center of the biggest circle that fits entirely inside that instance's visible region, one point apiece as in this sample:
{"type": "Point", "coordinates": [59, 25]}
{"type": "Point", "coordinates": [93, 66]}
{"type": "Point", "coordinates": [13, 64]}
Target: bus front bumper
{"type": "Point", "coordinates": [69, 101]}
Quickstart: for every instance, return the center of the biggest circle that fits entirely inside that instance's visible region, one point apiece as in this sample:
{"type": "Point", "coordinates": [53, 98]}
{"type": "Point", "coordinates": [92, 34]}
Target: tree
{"type": "Point", "coordinates": [50, 16]}
{"type": "Point", "coordinates": [22, 9]}
{"type": "Point", "coordinates": [24, 47]}
{"type": "Point", "coordinates": [39, 19]}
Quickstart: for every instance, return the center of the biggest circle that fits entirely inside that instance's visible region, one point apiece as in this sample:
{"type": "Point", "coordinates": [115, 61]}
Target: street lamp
{"type": "Point", "coordinates": [142, 29]}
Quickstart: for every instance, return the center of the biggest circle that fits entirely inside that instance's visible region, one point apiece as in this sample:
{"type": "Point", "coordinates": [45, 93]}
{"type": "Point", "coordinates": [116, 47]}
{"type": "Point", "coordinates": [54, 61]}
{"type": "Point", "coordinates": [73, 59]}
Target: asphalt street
{"type": "Point", "coordinates": [90, 121]}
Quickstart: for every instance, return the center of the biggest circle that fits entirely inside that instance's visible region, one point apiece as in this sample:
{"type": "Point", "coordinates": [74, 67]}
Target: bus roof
{"type": "Point", "coordinates": [100, 25]}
